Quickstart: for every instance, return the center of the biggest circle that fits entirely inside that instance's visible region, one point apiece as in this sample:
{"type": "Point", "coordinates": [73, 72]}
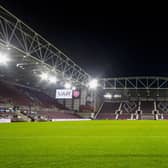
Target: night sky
{"type": "Point", "coordinates": [106, 42]}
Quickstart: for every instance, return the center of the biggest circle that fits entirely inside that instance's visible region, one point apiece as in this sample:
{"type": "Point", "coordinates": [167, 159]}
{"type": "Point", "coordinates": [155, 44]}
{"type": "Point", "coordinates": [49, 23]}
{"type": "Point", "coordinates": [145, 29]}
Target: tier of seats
{"type": "Point", "coordinates": [108, 111]}
{"type": "Point", "coordinates": [20, 103]}
{"type": "Point", "coordinates": [58, 115]}
{"type": "Point", "coordinates": [23, 96]}
{"type": "Point", "coordinates": [133, 110]}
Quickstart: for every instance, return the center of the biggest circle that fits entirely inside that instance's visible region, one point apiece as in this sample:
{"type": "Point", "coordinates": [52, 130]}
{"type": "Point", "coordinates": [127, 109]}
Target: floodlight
{"type": "Point", "coordinates": [8, 46]}
{"type": "Point", "coordinates": [67, 85]}
{"type": "Point", "coordinates": [117, 96]}
{"type": "Point", "coordinates": [52, 79]}
{"type": "Point", "coordinates": [44, 76]}
{"type": "Point", "coordinates": [73, 88]}
{"type": "Point", "coordinates": [4, 58]}
{"type": "Point", "coordinates": [108, 96]}
{"type": "Point", "coordinates": [93, 84]}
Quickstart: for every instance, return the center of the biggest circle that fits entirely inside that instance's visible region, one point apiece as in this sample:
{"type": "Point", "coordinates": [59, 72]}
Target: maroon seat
{"type": "Point", "coordinates": [108, 110]}
{"type": "Point", "coordinates": [58, 115]}
{"type": "Point", "coordinates": [147, 106]}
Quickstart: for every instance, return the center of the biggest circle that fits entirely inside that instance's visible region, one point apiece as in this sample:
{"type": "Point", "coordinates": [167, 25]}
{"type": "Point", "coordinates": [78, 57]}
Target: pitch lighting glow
{"type": "Point", "coordinates": [44, 76]}
{"type": "Point", "coordinates": [4, 58]}
{"type": "Point", "coordinates": [93, 84]}
{"type": "Point", "coordinates": [52, 79]}
{"type": "Point", "coordinates": [108, 96]}
{"type": "Point", "coordinates": [67, 85]}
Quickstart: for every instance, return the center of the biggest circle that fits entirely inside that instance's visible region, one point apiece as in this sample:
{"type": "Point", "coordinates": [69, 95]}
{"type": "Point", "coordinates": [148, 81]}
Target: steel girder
{"type": "Point", "coordinates": [135, 83]}
{"type": "Point", "coordinates": [16, 34]}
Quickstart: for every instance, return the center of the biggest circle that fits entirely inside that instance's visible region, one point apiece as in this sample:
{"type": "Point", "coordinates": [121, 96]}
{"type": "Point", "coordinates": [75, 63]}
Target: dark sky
{"type": "Point", "coordinates": [104, 40]}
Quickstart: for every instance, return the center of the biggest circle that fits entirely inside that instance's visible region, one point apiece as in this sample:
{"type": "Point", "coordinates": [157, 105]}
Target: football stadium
{"type": "Point", "coordinates": [55, 114]}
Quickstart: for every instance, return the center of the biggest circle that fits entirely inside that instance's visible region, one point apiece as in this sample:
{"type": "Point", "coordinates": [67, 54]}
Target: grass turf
{"type": "Point", "coordinates": [86, 144]}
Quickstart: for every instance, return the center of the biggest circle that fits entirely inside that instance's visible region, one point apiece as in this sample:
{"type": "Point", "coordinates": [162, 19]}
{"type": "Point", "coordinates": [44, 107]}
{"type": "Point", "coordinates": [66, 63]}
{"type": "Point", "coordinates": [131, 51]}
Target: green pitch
{"type": "Point", "coordinates": [86, 144]}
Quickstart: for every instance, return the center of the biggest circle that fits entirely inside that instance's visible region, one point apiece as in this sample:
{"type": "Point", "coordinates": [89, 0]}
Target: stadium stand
{"type": "Point", "coordinates": [162, 107]}
{"type": "Point", "coordinates": [147, 106]}
{"type": "Point", "coordinates": [21, 103]}
{"type": "Point", "coordinates": [108, 110]}
{"type": "Point", "coordinates": [134, 110]}
{"type": "Point", "coordinates": [58, 115]}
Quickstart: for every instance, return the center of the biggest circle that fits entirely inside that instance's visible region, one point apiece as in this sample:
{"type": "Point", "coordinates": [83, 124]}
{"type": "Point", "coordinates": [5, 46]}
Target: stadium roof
{"type": "Point", "coordinates": [32, 54]}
